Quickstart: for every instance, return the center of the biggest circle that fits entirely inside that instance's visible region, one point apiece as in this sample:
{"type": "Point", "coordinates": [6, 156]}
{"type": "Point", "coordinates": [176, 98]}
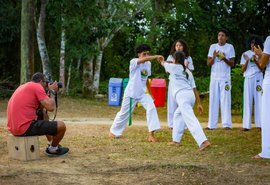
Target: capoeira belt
{"type": "Point", "coordinates": [130, 113]}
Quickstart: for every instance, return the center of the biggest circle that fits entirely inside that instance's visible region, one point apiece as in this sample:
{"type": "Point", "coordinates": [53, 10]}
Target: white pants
{"type": "Point", "coordinates": [220, 93]}
{"type": "Point", "coordinates": [184, 116]}
{"type": "Point", "coordinates": [120, 121]}
{"type": "Point", "coordinates": [252, 90]}
{"type": "Point", "coordinates": [265, 122]}
{"type": "Point", "coordinates": [171, 106]}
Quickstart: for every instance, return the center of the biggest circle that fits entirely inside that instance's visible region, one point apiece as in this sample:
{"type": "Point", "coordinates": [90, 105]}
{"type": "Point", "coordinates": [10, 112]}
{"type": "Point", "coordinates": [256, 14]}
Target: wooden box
{"type": "Point", "coordinates": [23, 148]}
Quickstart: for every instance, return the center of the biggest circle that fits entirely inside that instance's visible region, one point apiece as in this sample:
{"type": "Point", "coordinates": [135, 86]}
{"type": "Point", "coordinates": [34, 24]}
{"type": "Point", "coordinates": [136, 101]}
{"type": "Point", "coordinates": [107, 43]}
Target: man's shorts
{"type": "Point", "coordinates": [41, 127]}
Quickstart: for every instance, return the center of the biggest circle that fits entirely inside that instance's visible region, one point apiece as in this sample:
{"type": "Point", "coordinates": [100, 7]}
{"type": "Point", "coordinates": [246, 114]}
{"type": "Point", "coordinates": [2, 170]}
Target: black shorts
{"type": "Point", "coordinates": [41, 127]}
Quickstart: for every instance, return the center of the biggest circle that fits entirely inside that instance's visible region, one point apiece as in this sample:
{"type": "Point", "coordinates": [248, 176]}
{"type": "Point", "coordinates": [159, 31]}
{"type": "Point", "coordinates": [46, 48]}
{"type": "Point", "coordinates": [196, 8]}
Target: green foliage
{"type": "Point", "coordinates": [237, 88]}
{"type": "Point", "coordinates": [202, 84]}
{"type": "Point", "coordinates": [159, 23]}
{"type": "Point", "coordinates": [103, 87]}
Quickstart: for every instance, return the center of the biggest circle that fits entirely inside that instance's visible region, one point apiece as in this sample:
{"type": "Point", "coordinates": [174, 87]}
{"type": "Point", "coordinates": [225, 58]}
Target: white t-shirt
{"type": "Point", "coordinates": [252, 68]}
{"type": "Point", "coordinates": [138, 75]}
{"type": "Point", "coordinates": [178, 79]}
{"type": "Point", "coordinates": [220, 70]}
{"type": "Point", "coordinates": [188, 62]}
{"type": "Point", "coordinates": [266, 50]}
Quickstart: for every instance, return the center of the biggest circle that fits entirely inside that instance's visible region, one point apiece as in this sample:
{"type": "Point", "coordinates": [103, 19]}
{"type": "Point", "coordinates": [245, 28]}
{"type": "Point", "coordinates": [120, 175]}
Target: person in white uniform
{"type": "Point", "coordinates": [139, 70]}
{"type": "Point", "coordinates": [178, 45]}
{"type": "Point", "coordinates": [220, 58]}
{"type": "Point", "coordinates": [264, 58]}
{"type": "Point", "coordinates": [252, 86]}
{"type": "Point", "coordinates": [184, 92]}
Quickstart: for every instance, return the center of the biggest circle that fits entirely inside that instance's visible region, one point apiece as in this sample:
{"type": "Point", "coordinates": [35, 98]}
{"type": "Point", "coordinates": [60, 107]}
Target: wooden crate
{"type": "Point", "coordinates": [23, 148]}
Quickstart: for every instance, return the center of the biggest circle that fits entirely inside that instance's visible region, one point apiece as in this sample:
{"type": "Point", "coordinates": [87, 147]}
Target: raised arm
{"type": "Point", "coordinates": [149, 58]}
{"type": "Point", "coordinates": [49, 103]}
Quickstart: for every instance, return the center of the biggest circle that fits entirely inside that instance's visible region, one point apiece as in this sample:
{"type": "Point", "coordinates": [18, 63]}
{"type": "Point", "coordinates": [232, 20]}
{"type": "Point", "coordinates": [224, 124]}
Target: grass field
{"type": "Point", "coordinates": [96, 159]}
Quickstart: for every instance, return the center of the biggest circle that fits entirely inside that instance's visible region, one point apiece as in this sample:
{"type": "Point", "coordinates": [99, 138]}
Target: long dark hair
{"type": "Point", "coordinates": [179, 58]}
{"type": "Point", "coordinates": [185, 47]}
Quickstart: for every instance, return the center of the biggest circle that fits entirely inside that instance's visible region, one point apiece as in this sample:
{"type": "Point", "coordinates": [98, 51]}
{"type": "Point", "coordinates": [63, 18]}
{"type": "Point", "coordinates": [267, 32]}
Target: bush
{"type": "Point", "coordinates": [237, 88]}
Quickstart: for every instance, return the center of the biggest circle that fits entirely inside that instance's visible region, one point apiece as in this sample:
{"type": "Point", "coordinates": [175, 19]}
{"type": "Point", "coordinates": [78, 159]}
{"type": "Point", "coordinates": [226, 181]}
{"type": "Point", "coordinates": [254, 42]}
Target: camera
{"type": "Point", "coordinates": [59, 84]}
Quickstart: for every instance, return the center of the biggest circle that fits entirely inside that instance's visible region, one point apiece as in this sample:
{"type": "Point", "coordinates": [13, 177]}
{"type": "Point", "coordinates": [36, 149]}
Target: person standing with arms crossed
{"type": "Point", "coordinates": [178, 45]}
{"type": "Point", "coordinates": [220, 58]}
{"type": "Point", "coordinates": [264, 58]}
{"type": "Point", "coordinates": [252, 86]}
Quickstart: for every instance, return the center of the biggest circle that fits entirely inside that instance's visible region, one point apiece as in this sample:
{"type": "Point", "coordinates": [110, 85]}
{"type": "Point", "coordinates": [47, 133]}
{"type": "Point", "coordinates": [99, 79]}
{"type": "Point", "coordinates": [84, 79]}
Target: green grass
{"type": "Point", "coordinates": [96, 159]}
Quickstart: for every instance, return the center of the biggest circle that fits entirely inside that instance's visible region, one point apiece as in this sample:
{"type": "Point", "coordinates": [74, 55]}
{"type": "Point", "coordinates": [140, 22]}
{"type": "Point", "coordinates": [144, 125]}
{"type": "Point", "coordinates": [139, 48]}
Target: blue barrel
{"type": "Point", "coordinates": [115, 91]}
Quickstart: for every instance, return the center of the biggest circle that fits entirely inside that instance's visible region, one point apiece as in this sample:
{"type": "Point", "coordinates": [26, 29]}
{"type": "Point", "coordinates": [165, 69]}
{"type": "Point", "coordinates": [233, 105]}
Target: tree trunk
{"type": "Point", "coordinates": [98, 63]}
{"type": "Point", "coordinates": [41, 40]}
{"type": "Point", "coordinates": [88, 78]}
{"type": "Point", "coordinates": [78, 66]}
{"type": "Point", "coordinates": [27, 40]}
{"type": "Point", "coordinates": [69, 77]}
{"type": "Point", "coordinates": [157, 11]}
{"type": "Point", "coordinates": [62, 61]}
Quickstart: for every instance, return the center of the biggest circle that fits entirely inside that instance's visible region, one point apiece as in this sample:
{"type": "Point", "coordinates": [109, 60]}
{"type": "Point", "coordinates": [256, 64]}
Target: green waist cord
{"type": "Point", "coordinates": [130, 112]}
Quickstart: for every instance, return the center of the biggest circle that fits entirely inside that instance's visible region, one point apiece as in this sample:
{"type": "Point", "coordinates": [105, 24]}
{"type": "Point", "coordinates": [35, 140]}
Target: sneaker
{"type": "Point", "coordinates": [59, 152]}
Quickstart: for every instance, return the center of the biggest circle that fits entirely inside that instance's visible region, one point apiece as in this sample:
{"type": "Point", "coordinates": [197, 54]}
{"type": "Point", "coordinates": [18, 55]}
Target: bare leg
{"type": "Point", "coordinates": [61, 129]}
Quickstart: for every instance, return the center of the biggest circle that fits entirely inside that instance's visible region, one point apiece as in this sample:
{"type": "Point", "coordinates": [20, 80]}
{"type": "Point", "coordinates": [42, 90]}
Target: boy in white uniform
{"type": "Point", "coordinates": [183, 91]}
{"type": "Point", "coordinates": [265, 125]}
{"type": "Point", "coordinates": [139, 70]}
{"type": "Point", "coordinates": [178, 45]}
{"type": "Point", "coordinates": [252, 86]}
{"type": "Point", "coordinates": [221, 58]}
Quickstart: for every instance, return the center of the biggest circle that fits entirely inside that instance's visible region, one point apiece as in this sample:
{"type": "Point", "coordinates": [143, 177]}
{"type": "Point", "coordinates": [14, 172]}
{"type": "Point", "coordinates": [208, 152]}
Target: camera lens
{"type": "Point", "coordinates": [59, 84]}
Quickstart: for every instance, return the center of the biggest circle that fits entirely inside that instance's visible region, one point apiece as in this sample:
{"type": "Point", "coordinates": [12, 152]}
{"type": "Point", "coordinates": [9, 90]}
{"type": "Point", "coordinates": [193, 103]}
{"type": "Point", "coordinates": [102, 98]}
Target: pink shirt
{"type": "Point", "coordinates": [22, 106]}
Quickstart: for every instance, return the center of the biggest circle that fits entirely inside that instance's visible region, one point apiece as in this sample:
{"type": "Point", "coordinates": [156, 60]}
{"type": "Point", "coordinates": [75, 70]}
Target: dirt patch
{"type": "Point", "coordinates": [95, 159]}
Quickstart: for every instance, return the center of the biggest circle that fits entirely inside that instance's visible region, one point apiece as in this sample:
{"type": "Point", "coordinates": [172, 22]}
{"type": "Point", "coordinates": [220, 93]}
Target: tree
{"type": "Point", "coordinates": [27, 40]}
{"type": "Point", "coordinates": [41, 40]}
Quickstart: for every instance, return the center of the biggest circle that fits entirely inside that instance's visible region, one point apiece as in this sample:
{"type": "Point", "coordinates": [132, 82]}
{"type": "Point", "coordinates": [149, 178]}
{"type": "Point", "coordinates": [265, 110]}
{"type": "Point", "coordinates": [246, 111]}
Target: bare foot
{"type": "Point", "coordinates": [204, 145]}
{"type": "Point", "coordinates": [151, 138]}
{"type": "Point", "coordinates": [112, 136]}
{"type": "Point", "coordinates": [173, 143]}
{"type": "Point", "coordinates": [257, 157]}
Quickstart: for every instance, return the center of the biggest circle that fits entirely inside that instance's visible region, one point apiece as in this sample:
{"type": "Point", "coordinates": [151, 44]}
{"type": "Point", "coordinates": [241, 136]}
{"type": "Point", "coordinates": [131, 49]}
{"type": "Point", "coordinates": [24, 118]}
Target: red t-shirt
{"type": "Point", "coordinates": [22, 106]}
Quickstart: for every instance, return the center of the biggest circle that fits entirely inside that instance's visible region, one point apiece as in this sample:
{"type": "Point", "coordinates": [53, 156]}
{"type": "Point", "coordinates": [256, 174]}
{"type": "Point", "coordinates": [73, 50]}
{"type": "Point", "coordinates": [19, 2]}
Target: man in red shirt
{"type": "Point", "coordinates": [22, 119]}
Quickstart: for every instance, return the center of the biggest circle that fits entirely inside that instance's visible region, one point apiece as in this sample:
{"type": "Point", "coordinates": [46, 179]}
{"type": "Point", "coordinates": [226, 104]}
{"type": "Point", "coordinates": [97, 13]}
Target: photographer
{"type": "Point", "coordinates": [22, 118]}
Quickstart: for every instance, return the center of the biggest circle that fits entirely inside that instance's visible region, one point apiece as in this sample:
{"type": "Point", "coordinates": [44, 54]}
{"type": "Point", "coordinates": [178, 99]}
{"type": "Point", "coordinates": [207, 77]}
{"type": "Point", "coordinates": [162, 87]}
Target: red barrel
{"type": "Point", "coordinates": [158, 89]}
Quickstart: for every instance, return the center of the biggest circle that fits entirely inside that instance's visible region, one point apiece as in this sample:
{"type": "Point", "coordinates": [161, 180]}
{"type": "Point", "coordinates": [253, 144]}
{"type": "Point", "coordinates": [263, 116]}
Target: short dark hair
{"type": "Point", "coordinates": [37, 77]}
{"type": "Point", "coordinates": [142, 47]}
{"type": "Point", "coordinates": [256, 40]}
{"type": "Point", "coordinates": [223, 30]}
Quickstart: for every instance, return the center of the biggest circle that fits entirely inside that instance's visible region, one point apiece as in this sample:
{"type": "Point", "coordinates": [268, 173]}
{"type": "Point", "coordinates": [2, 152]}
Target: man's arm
{"type": "Point", "coordinates": [263, 57]}
{"type": "Point", "coordinates": [264, 60]}
{"type": "Point", "coordinates": [148, 58]}
{"type": "Point", "coordinates": [230, 62]}
{"type": "Point", "coordinates": [244, 66]}
{"type": "Point", "coordinates": [49, 103]}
